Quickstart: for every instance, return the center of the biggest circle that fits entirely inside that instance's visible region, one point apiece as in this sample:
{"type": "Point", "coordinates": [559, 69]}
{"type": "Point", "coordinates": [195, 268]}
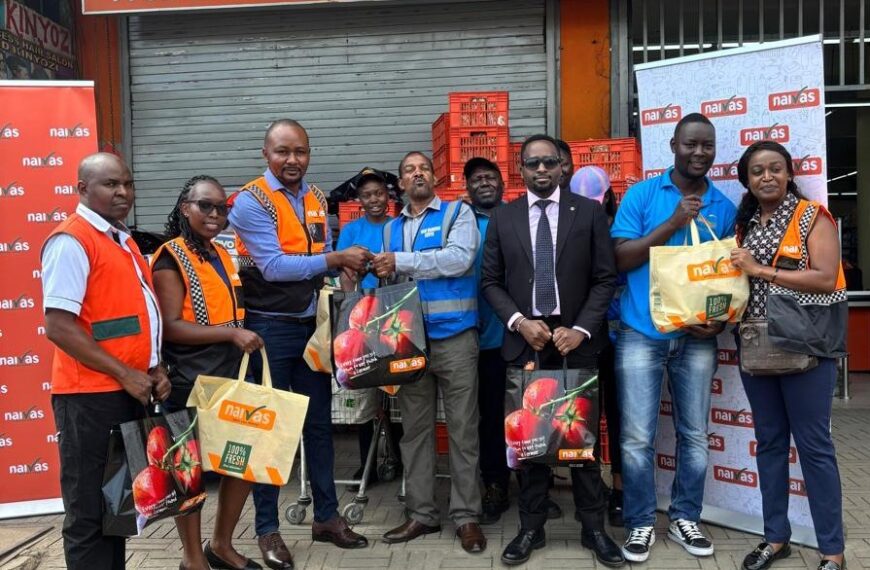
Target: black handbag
{"type": "Point", "coordinates": [760, 357]}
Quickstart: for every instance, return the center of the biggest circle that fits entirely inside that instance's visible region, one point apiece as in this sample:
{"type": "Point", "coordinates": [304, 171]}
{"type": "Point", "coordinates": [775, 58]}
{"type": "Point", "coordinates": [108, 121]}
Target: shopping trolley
{"type": "Point", "coordinates": [352, 407]}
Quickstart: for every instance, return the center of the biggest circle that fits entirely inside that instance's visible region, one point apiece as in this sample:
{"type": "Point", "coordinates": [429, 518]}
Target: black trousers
{"type": "Point", "coordinates": [610, 404]}
{"type": "Point", "coordinates": [586, 486]}
{"type": "Point", "coordinates": [491, 372]}
{"type": "Point", "coordinates": [83, 422]}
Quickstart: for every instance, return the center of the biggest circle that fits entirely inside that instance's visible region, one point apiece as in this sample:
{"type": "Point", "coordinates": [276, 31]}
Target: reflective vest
{"type": "Point", "coordinates": [113, 311]}
{"type": "Point", "coordinates": [449, 303]}
{"type": "Point", "coordinates": [490, 326]}
{"type": "Point", "coordinates": [294, 238]}
{"type": "Point", "coordinates": [806, 323]}
{"type": "Point", "coordinates": [208, 301]}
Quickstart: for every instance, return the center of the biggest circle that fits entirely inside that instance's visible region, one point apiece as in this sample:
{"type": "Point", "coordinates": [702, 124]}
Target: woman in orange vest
{"type": "Point", "coordinates": [792, 331]}
{"type": "Point", "coordinates": [199, 291]}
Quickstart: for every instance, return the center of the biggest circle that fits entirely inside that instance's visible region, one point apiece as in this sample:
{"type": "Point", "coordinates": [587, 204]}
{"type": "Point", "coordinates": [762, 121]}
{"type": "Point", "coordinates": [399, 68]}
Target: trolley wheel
{"type": "Point", "coordinates": [353, 512]}
{"type": "Point", "coordinates": [295, 514]}
{"type": "Point", "coordinates": [387, 472]}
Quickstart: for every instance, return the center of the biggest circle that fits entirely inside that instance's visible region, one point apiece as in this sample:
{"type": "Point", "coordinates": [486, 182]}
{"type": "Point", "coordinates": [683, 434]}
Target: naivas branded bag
{"type": "Point", "coordinates": [694, 284]}
{"type": "Point", "coordinates": [551, 416]}
{"type": "Point", "coordinates": [249, 431]}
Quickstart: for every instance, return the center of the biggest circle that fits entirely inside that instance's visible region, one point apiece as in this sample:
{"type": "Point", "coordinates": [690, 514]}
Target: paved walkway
{"type": "Point", "coordinates": [160, 547]}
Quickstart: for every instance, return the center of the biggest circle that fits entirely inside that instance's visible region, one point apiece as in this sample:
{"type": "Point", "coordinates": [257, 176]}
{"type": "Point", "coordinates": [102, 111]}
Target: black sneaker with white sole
{"type": "Point", "coordinates": [687, 534]}
{"type": "Point", "coordinates": [637, 544]}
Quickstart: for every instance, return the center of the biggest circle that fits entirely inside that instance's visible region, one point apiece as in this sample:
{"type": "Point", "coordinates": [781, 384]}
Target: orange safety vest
{"type": "Point", "coordinates": [113, 311]}
{"type": "Point", "coordinates": [208, 301]}
{"type": "Point", "coordinates": [793, 245]}
{"type": "Point", "coordinates": [295, 238]}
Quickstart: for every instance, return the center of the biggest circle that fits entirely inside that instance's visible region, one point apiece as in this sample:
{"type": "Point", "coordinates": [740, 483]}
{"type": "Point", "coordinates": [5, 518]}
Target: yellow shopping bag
{"type": "Point", "coordinates": [318, 350]}
{"type": "Point", "coordinates": [694, 284]}
{"type": "Point", "coordinates": [248, 431]}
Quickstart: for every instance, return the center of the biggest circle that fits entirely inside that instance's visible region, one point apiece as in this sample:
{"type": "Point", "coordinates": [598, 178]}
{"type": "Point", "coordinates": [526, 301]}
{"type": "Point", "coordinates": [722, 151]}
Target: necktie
{"type": "Point", "coordinates": [545, 275]}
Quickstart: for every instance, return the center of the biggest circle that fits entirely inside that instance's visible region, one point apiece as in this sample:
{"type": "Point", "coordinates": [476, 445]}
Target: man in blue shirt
{"type": "Point", "coordinates": [656, 212]}
{"type": "Point", "coordinates": [283, 255]}
{"type": "Point", "coordinates": [368, 230]}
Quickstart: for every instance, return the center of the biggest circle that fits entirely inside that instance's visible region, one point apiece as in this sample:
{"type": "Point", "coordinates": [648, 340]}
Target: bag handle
{"type": "Point", "coordinates": [564, 369]}
{"type": "Point", "coordinates": [696, 235]}
{"type": "Point", "coordinates": [267, 375]}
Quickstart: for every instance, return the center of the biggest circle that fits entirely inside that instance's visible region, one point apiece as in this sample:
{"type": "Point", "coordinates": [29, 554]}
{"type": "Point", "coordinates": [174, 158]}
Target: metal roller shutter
{"type": "Point", "coordinates": [366, 82]}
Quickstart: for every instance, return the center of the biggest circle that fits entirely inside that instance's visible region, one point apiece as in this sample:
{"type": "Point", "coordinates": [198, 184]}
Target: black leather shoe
{"type": "Point", "coordinates": [219, 563]}
{"type": "Point", "coordinates": [763, 556]}
{"type": "Point", "coordinates": [275, 553]}
{"type": "Point", "coordinates": [409, 530]}
{"type": "Point", "coordinates": [554, 511]}
{"type": "Point", "coordinates": [605, 549]}
{"type": "Point", "coordinates": [519, 550]}
{"type": "Point", "coordinates": [336, 531]}
{"type": "Point", "coordinates": [495, 502]}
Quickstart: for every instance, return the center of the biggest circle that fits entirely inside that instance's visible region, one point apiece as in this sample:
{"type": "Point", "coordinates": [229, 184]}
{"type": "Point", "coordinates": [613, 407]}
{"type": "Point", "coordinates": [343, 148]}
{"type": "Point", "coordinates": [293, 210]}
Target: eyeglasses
{"type": "Point", "coordinates": [533, 162]}
{"type": "Point", "coordinates": [206, 207]}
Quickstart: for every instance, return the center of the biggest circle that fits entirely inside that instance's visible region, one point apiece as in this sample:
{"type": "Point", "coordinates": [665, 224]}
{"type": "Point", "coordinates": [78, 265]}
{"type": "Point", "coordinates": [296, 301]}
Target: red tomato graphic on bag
{"type": "Point", "coordinates": [188, 467]}
{"type": "Point", "coordinates": [570, 421]}
{"type": "Point", "coordinates": [159, 442]}
{"type": "Point", "coordinates": [539, 392]}
{"type": "Point", "coordinates": [347, 346]}
{"type": "Point", "coordinates": [150, 487]}
{"type": "Point", "coordinates": [365, 310]}
{"type": "Point", "coordinates": [396, 333]}
{"type": "Point", "coordinates": [522, 425]}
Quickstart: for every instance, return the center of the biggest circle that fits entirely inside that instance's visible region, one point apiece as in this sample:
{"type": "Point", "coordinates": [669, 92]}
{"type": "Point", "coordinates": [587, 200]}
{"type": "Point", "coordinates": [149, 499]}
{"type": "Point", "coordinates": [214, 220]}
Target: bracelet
{"type": "Point", "coordinates": [518, 323]}
{"type": "Point", "coordinates": [775, 273]}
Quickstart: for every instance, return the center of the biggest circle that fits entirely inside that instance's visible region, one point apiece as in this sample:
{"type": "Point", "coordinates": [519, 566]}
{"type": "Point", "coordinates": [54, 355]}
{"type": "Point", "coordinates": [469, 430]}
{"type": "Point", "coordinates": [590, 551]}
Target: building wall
{"type": "Point", "coordinates": [585, 69]}
{"type": "Point", "coordinates": [98, 53]}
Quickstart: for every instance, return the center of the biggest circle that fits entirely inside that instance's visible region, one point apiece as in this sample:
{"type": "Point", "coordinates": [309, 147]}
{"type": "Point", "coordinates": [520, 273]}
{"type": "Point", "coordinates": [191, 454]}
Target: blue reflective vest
{"type": "Point", "coordinates": [490, 326]}
{"type": "Point", "coordinates": [449, 303]}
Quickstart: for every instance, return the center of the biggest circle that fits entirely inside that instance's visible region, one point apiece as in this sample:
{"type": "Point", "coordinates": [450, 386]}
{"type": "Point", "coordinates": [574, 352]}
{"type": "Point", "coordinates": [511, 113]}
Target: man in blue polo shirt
{"type": "Point", "coordinates": [656, 212]}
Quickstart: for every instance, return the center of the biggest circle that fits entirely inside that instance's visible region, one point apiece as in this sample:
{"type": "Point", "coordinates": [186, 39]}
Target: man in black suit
{"type": "Point", "coordinates": [549, 273]}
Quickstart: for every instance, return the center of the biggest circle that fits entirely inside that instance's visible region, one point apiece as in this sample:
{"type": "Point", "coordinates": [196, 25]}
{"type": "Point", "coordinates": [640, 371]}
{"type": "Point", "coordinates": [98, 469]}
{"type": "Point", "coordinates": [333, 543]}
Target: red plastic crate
{"type": "Point", "coordinates": [352, 210]}
{"type": "Point", "coordinates": [511, 194]}
{"type": "Point", "coordinates": [449, 192]}
{"type": "Point", "coordinates": [464, 144]}
{"type": "Point", "coordinates": [440, 132]}
{"type": "Point", "coordinates": [620, 158]}
{"type": "Point", "coordinates": [514, 176]}
{"type": "Point", "coordinates": [478, 109]}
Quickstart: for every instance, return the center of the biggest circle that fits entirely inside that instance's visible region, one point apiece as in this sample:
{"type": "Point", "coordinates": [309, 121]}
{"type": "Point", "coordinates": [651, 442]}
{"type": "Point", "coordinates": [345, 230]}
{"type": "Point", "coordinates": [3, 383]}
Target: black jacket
{"type": "Point", "coordinates": [585, 272]}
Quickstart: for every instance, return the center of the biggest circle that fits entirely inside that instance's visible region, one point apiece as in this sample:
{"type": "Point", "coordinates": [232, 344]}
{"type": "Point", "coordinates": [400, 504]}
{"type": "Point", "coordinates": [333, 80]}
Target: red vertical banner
{"type": "Point", "coordinates": [46, 128]}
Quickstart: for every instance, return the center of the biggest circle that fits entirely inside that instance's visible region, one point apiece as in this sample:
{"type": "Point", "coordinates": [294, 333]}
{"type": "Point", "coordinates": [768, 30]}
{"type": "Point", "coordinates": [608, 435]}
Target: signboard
{"type": "Point", "coordinates": [783, 103]}
{"type": "Point", "coordinates": [46, 128]}
{"type": "Point", "coordinates": [33, 46]}
{"type": "Point", "coordinates": [126, 6]}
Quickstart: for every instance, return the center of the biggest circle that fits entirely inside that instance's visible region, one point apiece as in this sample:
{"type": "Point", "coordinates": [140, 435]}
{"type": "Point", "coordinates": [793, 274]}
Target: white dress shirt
{"type": "Point", "coordinates": [552, 211]}
{"type": "Point", "coordinates": [65, 270]}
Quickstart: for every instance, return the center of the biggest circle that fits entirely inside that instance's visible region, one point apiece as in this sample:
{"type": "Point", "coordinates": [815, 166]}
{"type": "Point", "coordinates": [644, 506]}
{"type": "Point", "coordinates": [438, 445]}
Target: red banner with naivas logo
{"type": "Point", "coordinates": [46, 128]}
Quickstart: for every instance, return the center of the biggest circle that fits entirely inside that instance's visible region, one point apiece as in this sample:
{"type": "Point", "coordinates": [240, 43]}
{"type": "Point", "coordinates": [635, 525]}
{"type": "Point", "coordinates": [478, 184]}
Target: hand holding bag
{"type": "Point", "coordinates": [248, 431]}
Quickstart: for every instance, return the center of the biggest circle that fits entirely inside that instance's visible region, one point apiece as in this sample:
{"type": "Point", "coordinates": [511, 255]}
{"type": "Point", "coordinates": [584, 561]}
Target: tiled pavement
{"type": "Point", "coordinates": [160, 547]}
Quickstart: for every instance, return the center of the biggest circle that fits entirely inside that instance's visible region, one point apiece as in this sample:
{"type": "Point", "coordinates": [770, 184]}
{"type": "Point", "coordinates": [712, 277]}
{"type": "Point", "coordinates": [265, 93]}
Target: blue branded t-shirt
{"type": "Point", "coordinates": [366, 234]}
{"type": "Point", "coordinates": [646, 206]}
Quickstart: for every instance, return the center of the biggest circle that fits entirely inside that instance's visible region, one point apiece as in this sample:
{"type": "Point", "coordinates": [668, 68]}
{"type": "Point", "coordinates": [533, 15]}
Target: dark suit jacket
{"type": "Point", "coordinates": [585, 272]}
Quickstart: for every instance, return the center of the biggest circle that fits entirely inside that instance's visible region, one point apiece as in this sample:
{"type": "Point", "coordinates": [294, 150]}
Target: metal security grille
{"type": "Point", "coordinates": [664, 29]}
{"type": "Point", "coordinates": [366, 82]}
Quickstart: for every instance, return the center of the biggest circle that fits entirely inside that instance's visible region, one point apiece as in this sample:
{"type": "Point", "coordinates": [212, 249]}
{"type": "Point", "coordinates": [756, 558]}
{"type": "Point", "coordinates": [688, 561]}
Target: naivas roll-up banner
{"type": "Point", "coordinates": [772, 91]}
{"type": "Point", "coordinates": [46, 128]}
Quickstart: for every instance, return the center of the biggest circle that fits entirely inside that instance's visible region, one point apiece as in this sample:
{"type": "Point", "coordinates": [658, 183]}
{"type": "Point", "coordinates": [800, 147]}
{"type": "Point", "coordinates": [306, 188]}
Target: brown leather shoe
{"type": "Point", "coordinates": [275, 553]}
{"type": "Point", "coordinates": [410, 530]}
{"type": "Point", "coordinates": [471, 537]}
{"type": "Point", "coordinates": [336, 531]}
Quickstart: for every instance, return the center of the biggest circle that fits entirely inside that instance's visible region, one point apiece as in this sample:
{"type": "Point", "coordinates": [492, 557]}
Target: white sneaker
{"type": "Point", "coordinates": [637, 545]}
{"type": "Point", "coordinates": [687, 534]}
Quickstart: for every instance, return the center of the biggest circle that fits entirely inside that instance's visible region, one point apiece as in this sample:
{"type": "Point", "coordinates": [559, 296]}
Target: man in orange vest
{"type": "Point", "coordinates": [285, 250]}
{"type": "Point", "coordinates": [102, 315]}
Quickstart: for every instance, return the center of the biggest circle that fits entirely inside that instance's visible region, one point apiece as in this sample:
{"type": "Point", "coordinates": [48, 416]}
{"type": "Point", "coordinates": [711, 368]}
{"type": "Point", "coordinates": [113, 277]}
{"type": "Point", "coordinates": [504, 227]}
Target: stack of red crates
{"type": "Point", "coordinates": [620, 158]}
{"type": "Point", "coordinates": [476, 124]}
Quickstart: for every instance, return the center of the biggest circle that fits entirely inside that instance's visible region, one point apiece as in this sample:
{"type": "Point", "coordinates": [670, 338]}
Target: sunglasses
{"type": "Point", "coordinates": [206, 207]}
{"type": "Point", "coordinates": [533, 162]}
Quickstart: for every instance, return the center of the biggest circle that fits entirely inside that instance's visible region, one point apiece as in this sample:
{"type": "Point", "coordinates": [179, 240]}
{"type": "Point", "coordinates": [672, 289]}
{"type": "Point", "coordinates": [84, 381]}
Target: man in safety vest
{"type": "Point", "coordinates": [435, 244]}
{"type": "Point", "coordinates": [284, 252]}
{"type": "Point", "coordinates": [102, 315]}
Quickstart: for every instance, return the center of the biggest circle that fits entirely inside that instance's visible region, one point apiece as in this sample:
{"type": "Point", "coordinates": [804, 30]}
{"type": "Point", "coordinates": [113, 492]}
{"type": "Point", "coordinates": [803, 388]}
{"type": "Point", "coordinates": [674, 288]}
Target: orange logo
{"type": "Point", "coordinates": [668, 114]}
{"type": "Point", "coordinates": [407, 365]}
{"type": "Point", "coordinates": [794, 99]}
{"type": "Point", "coordinates": [724, 107]}
{"type": "Point", "coordinates": [260, 417]}
{"type": "Point", "coordinates": [719, 269]}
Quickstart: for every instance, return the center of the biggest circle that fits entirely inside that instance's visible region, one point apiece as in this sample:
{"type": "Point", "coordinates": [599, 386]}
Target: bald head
{"type": "Point", "coordinates": [94, 164]}
{"type": "Point", "coordinates": [106, 186]}
{"type": "Point", "coordinates": [283, 123]}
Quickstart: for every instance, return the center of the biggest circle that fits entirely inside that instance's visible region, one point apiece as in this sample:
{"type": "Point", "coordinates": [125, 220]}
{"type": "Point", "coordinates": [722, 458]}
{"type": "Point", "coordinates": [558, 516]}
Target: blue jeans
{"type": "Point", "coordinates": [798, 405]}
{"type": "Point", "coordinates": [285, 342]}
{"type": "Point", "coordinates": [640, 366]}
